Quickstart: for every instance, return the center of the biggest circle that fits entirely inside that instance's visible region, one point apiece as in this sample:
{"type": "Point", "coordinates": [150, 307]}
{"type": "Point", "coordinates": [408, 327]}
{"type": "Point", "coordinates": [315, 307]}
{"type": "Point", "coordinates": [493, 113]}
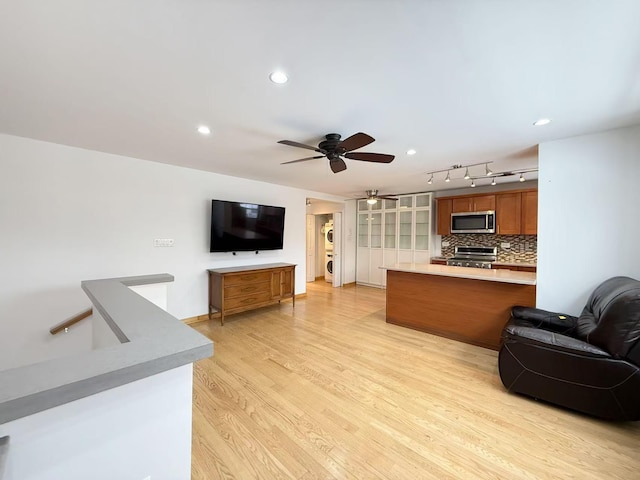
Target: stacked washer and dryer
{"type": "Point", "coordinates": [328, 247]}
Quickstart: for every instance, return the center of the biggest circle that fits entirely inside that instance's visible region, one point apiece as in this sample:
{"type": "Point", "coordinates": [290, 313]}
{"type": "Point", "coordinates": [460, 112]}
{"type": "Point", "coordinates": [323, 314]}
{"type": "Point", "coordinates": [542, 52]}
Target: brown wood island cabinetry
{"type": "Point", "coordinates": [238, 289]}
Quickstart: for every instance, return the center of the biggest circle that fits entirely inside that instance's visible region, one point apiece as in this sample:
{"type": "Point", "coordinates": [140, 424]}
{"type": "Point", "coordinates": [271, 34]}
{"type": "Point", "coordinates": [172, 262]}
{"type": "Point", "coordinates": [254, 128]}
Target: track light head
{"type": "Point", "coordinates": [473, 183]}
{"type": "Point", "coordinates": [448, 179]}
{"type": "Point", "coordinates": [430, 181]}
{"type": "Point", "coordinates": [493, 181]}
{"type": "Point", "coordinates": [486, 170]}
{"type": "Point", "coordinates": [522, 177]}
{"type": "Point", "coordinates": [466, 174]}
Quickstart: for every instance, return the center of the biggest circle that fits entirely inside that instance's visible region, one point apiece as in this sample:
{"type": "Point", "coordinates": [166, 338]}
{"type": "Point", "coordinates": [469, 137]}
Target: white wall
{"type": "Point", "coordinates": [69, 214]}
{"type": "Point", "coordinates": [127, 433]}
{"type": "Point", "coordinates": [588, 227]}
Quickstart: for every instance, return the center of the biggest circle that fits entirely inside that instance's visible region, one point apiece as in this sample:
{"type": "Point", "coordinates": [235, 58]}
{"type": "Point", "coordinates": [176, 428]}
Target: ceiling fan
{"type": "Point", "coordinates": [334, 149]}
{"type": "Point", "coordinates": [372, 197]}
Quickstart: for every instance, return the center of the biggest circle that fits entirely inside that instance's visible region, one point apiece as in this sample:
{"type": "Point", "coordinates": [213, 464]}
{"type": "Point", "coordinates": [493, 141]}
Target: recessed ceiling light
{"type": "Point", "coordinates": [411, 151]}
{"type": "Point", "coordinates": [541, 122]}
{"type": "Point", "coordinates": [204, 130]}
{"type": "Point", "coordinates": [278, 77]}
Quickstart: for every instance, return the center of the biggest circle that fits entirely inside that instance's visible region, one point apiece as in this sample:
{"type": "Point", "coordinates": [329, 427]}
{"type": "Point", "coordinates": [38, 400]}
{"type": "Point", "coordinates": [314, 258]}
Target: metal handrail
{"type": "Point", "coordinates": [64, 326]}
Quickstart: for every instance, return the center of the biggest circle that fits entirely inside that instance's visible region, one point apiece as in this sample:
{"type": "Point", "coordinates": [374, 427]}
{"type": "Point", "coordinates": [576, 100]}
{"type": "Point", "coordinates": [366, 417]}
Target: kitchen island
{"type": "Point", "coordinates": [471, 305]}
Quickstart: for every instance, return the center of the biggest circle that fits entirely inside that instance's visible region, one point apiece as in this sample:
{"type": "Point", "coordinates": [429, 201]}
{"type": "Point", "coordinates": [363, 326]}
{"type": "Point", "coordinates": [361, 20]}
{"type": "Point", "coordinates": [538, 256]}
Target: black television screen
{"type": "Point", "coordinates": [237, 227]}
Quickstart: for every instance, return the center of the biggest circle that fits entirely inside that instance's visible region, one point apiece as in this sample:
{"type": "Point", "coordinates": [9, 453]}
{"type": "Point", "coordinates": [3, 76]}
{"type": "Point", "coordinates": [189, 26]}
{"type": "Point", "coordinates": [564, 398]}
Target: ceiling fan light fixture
{"type": "Point", "coordinates": [372, 201]}
{"type": "Point", "coordinates": [278, 77]}
{"type": "Point", "coordinates": [448, 179]}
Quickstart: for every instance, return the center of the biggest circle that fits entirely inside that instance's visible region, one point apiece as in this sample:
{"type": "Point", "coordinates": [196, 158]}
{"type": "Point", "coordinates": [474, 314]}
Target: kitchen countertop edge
{"type": "Point", "coordinates": [491, 275]}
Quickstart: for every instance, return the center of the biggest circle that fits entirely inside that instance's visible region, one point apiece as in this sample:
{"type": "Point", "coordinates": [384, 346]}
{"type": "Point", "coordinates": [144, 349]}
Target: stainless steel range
{"type": "Point", "coordinates": [478, 257]}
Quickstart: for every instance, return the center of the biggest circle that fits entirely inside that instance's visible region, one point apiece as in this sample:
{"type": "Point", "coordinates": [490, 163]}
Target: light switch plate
{"type": "Point", "coordinates": [163, 242]}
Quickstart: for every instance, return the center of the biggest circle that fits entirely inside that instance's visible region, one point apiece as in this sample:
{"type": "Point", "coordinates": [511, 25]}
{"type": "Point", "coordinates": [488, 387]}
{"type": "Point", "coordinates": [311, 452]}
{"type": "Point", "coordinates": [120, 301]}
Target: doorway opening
{"type": "Point", "coordinates": [323, 247]}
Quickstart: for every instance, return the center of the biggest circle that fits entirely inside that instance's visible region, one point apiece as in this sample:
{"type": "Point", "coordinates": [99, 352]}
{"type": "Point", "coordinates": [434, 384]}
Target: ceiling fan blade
{"type": "Point", "coordinates": [302, 159]}
{"type": "Point", "coordinates": [355, 141]}
{"type": "Point", "coordinates": [370, 157]}
{"type": "Point", "coordinates": [386, 197]}
{"type": "Point", "coordinates": [301, 145]}
{"type": "Point", "coordinates": [337, 165]}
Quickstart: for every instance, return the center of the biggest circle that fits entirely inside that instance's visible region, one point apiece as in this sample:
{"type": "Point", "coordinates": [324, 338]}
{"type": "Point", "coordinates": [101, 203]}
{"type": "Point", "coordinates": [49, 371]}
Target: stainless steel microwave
{"type": "Point", "coordinates": [474, 222]}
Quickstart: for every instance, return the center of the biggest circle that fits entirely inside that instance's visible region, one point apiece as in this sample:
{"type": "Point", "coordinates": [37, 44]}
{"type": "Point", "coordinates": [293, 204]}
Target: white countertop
{"type": "Point", "coordinates": [492, 275]}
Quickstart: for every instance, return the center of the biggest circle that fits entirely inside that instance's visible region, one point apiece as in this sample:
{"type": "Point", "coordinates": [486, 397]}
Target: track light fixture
{"type": "Point", "coordinates": [447, 179]}
{"type": "Point", "coordinates": [487, 173]}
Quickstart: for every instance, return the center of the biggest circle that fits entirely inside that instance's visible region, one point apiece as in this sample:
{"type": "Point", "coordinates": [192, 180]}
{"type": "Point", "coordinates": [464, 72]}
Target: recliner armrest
{"type": "Point", "coordinates": [556, 341]}
{"type": "Point", "coordinates": [538, 318]}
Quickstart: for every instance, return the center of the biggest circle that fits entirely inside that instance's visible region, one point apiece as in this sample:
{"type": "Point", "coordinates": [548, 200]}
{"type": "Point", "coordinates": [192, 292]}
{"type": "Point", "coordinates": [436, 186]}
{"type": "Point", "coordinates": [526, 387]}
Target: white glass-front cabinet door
{"type": "Point", "coordinates": [421, 239]}
{"type": "Point", "coordinates": [363, 230]}
{"type": "Point", "coordinates": [423, 200]}
{"type": "Point", "coordinates": [362, 258]}
{"type": "Point", "coordinates": [375, 252]}
{"type": "Point", "coordinates": [390, 253]}
{"type": "Point", "coordinates": [375, 220]}
{"type": "Point", "coordinates": [405, 235]}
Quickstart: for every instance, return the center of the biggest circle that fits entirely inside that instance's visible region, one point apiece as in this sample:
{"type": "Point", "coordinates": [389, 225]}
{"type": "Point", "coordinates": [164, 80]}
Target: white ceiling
{"type": "Point", "coordinates": [459, 81]}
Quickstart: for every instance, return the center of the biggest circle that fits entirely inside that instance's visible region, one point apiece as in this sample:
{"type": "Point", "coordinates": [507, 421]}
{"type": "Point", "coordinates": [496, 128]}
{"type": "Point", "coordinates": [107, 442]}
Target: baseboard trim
{"type": "Point", "coordinates": [205, 317]}
{"type": "Point", "coordinates": [350, 284]}
{"type": "Point", "coordinates": [199, 318]}
{"type": "Point", "coordinates": [320, 277]}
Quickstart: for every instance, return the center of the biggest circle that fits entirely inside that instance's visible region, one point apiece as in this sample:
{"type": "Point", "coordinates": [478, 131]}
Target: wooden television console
{"type": "Point", "coordinates": [238, 289]}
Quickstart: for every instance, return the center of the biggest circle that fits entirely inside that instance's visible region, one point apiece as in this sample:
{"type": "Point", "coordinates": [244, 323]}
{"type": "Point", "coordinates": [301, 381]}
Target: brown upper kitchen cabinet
{"type": "Point", "coordinates": [508, 212]}
{"type": "Point", "coordinates": [530, 212]}
{"type": "Point", "coordinates": [480, 203]}
{"type": "Point", "coordinates": [444, 216]}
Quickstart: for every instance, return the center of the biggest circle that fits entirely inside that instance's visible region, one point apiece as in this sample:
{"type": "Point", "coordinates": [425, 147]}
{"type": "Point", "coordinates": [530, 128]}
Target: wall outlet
{"type": "Point", "coordinates": [445, 244]}
{"type": "Point", "coordinates": [505, 245]}
{"type": "Point", "coordinates": [163, 242]}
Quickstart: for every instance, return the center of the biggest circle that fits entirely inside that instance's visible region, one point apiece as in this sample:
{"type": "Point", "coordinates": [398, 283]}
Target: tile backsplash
{"type": "Point", "coordinates": [523, 248]}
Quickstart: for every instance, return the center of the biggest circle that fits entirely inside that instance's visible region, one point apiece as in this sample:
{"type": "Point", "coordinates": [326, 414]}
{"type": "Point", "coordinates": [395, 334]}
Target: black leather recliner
{"type": "Point", "coordinates": [590, 363]}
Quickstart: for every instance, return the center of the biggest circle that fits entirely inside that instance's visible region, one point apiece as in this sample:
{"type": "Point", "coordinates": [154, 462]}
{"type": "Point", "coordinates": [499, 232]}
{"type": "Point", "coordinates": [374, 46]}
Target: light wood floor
{"type": "Point", "coordinates": [332, 391]}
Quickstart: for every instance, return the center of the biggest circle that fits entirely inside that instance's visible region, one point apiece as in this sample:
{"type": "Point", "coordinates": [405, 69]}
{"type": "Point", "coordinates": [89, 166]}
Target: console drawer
{"type": "Point", "coordinates": [246, 300]}
{"type": "Point", "coordinates": [245, 278]}
{"type": "Point", "coordinates": [248, 289]}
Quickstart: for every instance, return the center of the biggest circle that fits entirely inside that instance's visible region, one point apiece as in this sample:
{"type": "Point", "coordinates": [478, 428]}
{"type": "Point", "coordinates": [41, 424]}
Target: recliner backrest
{"type": "Point", "coordinates": [615, 307]}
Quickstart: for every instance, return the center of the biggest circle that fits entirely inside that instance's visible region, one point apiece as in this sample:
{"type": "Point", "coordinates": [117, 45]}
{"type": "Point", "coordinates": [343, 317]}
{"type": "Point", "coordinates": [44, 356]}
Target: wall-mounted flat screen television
{"type": "Point", "coordinates": [238, 227]}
